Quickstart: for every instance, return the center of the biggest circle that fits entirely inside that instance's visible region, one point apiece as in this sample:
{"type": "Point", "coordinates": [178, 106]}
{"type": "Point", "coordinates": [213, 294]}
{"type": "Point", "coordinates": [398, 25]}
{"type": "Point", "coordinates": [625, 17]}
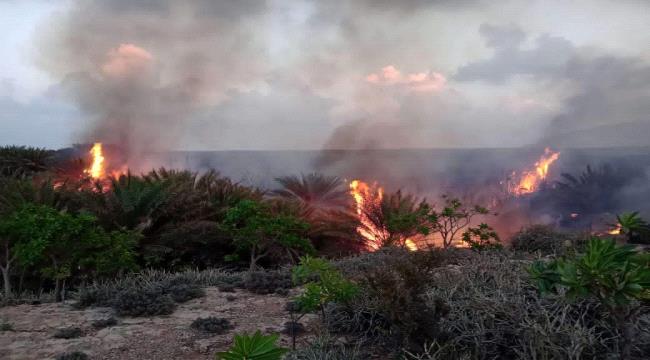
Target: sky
{"type": "Point", "coordinates": [306, 74]}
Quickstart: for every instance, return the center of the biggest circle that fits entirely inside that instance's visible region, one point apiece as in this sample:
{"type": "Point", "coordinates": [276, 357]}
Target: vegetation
{"type": "Point", "coordinates": [212, 325]}
{"type": "Point", "coordinates": [255, 228]}
{"type": "Point", "coordinates": [617, 276]}
{"type": "Point", "coordinates": [255, 347]}
{"type": "Point", "coordinates": [635, 229]}
{"type": "Point", "coordinates": [142, 244]}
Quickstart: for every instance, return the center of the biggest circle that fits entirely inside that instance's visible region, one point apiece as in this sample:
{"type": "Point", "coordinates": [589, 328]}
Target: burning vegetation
{"type": "Point", "coordinates": [529, 181]}
{"type": "Point", "coordinates": [418, 264]}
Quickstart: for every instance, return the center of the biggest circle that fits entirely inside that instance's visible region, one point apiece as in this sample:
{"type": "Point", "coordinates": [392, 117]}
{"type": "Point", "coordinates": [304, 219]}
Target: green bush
{"type": "Point", "coordinates": [617, 276]}
{"type": "Point", "coordinates": [256, 347]}
{"type": "Point", "coordinates": [323, 284]}
{"type": "Point", "coordinates": [143, 302]}
{"type": "Point", "coordinates": [212, 325]}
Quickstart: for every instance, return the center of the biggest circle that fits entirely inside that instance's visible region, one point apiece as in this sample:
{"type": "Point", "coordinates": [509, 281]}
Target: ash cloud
{"type": "Point", "coordinates": [304, 74]}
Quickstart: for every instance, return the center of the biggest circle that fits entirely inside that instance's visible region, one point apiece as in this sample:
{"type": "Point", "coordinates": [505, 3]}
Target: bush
{"type": "Point", "coordinates": [494, 312]}
{"type": "Point", "coordinates": [293, 328]}
{"type": "Point", "coordinates": [182, 293]}
{"type": "Point", "coordinates": [323, 348]}
{"type": "Point", "coordinates": [544, 239]}
{"type": "Point", "coordinates": [6, 326]}
{"type": "Point", "coordinates": [104, 323]}
{"type": "Point", "coordinates": [143, 302]}
{"type": "Point", "coordinates": [268, 282]}
{"type": "Point", "coordinates": [256, 347]}
{"type": "Point", "coordinates": [77, 355]}
{"type": "Point", "coordinates": [68, 333]}
{"type": "Point", "coordinates": [618, 277]}
{"type": "Point", "coordinates": [212, 325]}
{"type": "Point", "coordinates": [105, 293]}
{"type": "Point", "coordinates": [398, 294]}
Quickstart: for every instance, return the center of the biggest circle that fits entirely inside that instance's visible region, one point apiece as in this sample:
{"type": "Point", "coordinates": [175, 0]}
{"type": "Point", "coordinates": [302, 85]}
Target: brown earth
{"type": "Point", "coordinates": [159, 337]}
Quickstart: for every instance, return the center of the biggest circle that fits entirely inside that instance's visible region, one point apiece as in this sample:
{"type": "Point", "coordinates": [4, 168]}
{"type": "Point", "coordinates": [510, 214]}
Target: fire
{"type": "Point", "coordinates": [96, 170]}
{"type": "Point", "coordinates": [530, 180]}
{"type": "Point", "coordinates": [616, 230]}
{"type": "Point", "coordinates": [368, 197]}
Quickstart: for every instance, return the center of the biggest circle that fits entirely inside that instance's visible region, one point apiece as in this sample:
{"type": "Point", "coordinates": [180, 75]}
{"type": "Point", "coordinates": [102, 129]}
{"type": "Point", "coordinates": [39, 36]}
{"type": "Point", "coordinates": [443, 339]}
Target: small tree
{"type": "Point", "coordinates": [482, 237]}
{"type": "Point", "coordinates": [323, 284]}
{"type": "Point", "coordinates": [65, 242]}
{"type": "Point", "coordinates": [255, 228]}
{"type": "Point", "coordinates": [617, 276]}
{"type": "Point", "coordinates": [632, 226]}
{"type": "Point", "coordinates": [452, 219]}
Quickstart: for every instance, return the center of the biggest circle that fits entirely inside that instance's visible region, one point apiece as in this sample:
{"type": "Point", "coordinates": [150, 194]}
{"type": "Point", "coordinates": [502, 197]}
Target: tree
{"type": "Point", "coordinates": [482, 237]}
{"type": "Point", "coordinates": [315, 190]}
{"type": "Point", "coordinates": [392, 219]}
{"type": "Point", "coordinates": [632, 226]}
{"type": "Point", "coordinates": [617, 276]}
{"type": "Point", "coordinates": [21, 161]}
{"type": "Point", "coordinates": [452, 219]}
{"type": "Point", "coordinates": [255, 228]}
{"type": "Point", "coordinates": [61, 243]}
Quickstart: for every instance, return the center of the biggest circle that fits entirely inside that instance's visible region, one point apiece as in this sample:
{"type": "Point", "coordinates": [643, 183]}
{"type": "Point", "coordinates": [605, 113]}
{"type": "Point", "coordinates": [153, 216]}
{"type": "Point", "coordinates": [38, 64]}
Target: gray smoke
{"type": "Point", "coordinates": [307, 74]}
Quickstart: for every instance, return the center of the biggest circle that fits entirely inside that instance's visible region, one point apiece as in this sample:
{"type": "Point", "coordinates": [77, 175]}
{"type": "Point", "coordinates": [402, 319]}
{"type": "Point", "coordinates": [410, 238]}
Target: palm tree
{"type": "Point", "coordinates": [633, 226]}
{"type": "Point", "coordinates": [591, 192]}
{"type": "Point", "coordinates": [21, 161]}
{"type": "Point", "coordinates": [314, 190]}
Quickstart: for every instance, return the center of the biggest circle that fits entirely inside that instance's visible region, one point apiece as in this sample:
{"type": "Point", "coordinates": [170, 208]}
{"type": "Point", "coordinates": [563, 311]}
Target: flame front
{"type": "Point", "coordinates": [616, 230]}
{"type": "Point", "coordinates": [96, 170]}
{"type": "Point", "coordinates": [368, 197]}
{"type": "Point", "coordinates": [530, 180]}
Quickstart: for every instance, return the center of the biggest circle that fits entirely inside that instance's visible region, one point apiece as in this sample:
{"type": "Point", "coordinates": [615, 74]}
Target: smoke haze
{"type": "Point", "coordinates": [197, 75]}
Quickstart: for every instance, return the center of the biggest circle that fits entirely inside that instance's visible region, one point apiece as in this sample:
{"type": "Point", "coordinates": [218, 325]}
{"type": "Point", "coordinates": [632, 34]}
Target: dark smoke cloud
{"type": "Point", "coordinates": [606, 107]}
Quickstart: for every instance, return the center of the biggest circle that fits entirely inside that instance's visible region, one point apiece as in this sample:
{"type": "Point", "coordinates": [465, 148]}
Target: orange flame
{"type": "Point", "coordinates": [96, 170]}
{"type": "Point", "coordinates": [616, 230]}
{"type": "Point", "coordinates": [531, 179]}
{"type": "Point", "coordinates": [365, 197]}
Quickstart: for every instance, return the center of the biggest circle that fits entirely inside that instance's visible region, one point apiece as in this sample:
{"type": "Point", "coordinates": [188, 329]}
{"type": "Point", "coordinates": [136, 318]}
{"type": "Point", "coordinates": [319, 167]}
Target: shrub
{"type": "Point", "coordinates": [398, 294]}
{"type": "Point", "coordinates": [293, 328]}
{"type": "Point", "coordinates": [544, 239]}
{"type": "Point", "coordinates": [323, 348]}
{"type": "Point", "coordinates": [324, 284]}
{"type": "Point", "coordinates": [617, 276]}
{"type": "Point", "coordinates": [76, 355]}
{"type": "Point", "coordinates": [494, 312]}
{"type": "Point", "coordinates": [105, 293]}
{"type": "Point", "coordinates": [143, 302]}
{"type": "Point", "coordinates": [213, 325]}
{"type": "Point", "coordinates": [267, 282]}
{"type": "Point", "coordinates": [256, 347]}
{"type": "Point", "coordinates": [182, 293]}
{"type": "Point", "coordinates": [68, 333]}
{"type": "Point", "coordinates": [482, 237]}
{"type": "Point", "coordinates": [104, 323]}
{"type": "Point", "coordinates": [6, 326]}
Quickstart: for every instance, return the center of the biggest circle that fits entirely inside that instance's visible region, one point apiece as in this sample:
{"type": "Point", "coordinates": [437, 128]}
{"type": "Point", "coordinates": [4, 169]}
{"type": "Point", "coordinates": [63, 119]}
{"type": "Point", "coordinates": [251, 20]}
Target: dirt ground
{"type": "Point", "coordinates": [159, 337]}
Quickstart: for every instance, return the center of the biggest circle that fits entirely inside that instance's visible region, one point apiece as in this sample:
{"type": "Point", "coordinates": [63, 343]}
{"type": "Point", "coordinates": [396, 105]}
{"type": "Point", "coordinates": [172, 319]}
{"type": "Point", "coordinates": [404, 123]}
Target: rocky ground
{"type": "Point", "coordinates": [160, 337]}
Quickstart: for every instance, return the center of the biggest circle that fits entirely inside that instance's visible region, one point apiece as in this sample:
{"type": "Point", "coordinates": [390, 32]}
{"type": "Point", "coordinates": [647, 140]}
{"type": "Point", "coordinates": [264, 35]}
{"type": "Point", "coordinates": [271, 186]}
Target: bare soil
{"type": "Point", "coordinates": [159, 337]}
